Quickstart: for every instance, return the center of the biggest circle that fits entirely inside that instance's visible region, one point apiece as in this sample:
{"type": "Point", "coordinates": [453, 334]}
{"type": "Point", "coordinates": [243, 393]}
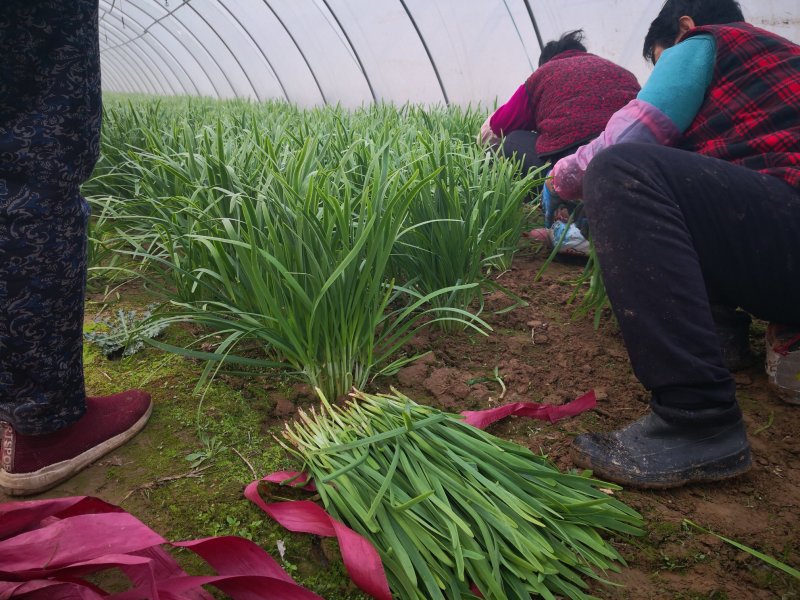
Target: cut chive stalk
{"type": "Point", "coordinates": [449, 506]}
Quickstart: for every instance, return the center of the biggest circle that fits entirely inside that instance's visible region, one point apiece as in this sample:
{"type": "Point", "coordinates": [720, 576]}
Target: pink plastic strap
{"type": "Point", "coordinates": [544, 412]}
{"type": "Point", "coordinates": [784, 348]}
{"type": "Point", "coordinates": [16, 517]}
{"type": "Point", "coordinates": [46, 546]}
{"type": "Point", "coordinates": [292, 479]}
{"type": "Point", "coordinates": [49, 590]}
{"type": "Point", "coordinates": [360, 558]}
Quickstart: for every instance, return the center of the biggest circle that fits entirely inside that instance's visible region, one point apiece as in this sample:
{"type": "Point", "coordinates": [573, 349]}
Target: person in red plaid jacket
{"type": "Point", "coordinates": [693, 193]}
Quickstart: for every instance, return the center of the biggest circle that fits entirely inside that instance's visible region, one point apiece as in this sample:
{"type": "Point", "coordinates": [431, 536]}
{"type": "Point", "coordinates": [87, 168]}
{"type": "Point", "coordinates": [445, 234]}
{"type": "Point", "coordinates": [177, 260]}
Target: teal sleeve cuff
{"type": "Point", "coordinates": [680, 79]}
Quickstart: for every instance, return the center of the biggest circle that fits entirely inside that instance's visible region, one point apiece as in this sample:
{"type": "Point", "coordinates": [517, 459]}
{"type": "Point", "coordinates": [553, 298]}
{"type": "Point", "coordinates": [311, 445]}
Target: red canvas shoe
{"type": "Point", "coordinates": [35, 463]}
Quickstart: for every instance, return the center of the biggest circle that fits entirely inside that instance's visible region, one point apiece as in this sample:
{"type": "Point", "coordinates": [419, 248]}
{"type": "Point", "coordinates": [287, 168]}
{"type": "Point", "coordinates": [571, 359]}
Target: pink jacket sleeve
{"type": "Point", "coordinates": [514, 114]}
{"type": "Point", "coordinates": [637, 121]}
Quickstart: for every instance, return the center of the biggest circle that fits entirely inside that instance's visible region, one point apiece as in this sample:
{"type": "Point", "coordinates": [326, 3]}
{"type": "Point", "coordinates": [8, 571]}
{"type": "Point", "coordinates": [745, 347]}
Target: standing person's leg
{"type": "Point", "coordinates": [49, 136]}
{"type": "Point", "coordinates": [672, 229]}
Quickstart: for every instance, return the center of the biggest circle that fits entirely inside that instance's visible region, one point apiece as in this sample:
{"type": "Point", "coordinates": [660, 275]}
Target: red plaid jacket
{"type": "Point", "coordinates": [751, 115]}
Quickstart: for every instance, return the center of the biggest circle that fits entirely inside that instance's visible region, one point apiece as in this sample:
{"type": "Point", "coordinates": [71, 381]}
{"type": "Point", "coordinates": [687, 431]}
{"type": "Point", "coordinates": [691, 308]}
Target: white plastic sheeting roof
{"type": "Point", "coordinates": [352, 52]}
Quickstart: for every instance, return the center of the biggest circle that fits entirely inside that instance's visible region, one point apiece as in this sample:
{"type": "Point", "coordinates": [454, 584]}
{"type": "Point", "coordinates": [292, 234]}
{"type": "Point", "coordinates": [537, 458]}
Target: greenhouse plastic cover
{"type": "Point", "coordinates": [355, 52]}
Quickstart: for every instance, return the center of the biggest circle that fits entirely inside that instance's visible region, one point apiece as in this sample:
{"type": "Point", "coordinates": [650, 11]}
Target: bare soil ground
{"type": "Point", "coordinates": [541, 354]}
{"type": "Point", "coordinates": [544, 355]}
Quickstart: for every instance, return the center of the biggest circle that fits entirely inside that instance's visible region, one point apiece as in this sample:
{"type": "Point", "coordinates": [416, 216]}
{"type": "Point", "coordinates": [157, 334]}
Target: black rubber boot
{"type": "Point", "coordinates": [733, 331]}
{"type": "Point", "coordinates": [651, 453]}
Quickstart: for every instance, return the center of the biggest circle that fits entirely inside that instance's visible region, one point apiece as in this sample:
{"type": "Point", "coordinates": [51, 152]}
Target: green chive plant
{"type": "Point", "coordinates": [317, 241]}
{"type": "Point", "coordinates": [588, 288]}
{"type": "Point", "coordinates": [465, 223]}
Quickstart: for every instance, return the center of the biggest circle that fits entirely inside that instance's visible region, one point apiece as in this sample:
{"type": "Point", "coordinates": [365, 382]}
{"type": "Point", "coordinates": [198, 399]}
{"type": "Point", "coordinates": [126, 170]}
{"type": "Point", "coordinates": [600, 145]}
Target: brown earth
{"type": "Point", "coordinates": [540, 353]}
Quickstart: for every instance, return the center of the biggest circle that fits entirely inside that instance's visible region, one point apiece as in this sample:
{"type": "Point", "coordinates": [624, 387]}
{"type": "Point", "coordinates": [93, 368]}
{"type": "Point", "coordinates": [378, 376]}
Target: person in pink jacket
{"type": "Point", "coordinates": [565, 103]}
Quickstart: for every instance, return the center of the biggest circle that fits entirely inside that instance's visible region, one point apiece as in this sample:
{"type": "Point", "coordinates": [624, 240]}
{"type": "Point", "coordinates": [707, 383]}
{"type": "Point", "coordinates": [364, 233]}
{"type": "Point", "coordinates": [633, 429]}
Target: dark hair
{"type": "Point", "coordinates": [571, 40]}
{"type": "Point", "coordinates": [665, 28]}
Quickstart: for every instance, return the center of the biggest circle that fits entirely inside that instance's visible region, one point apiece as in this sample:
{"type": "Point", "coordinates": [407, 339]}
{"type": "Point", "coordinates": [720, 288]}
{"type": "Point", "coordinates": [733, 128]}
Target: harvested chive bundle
{"type": "Point", "coordinates": [449, 506]}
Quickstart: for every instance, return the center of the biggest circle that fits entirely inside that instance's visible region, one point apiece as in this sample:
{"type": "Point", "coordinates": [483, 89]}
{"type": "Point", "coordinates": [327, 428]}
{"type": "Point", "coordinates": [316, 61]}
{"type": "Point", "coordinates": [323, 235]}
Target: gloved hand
{"type": "Point", "coordinates": [550, 202]}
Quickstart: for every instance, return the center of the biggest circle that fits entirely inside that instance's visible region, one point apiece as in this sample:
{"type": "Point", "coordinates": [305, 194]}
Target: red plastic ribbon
{"type": "Point", "coordinates": [46, 546]}
{"type": "Point", "coordinates": [360, 557]}
{"type": "Point", "coordinates": [298, 480]}
{"type": "Point", "coordinates": [544, 412]}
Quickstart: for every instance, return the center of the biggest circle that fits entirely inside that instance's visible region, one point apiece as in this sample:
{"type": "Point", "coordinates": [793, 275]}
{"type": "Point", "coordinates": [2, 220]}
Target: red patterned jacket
{"type": "Point", "coordinates": [751, 115]}
{"type": "Point", "coordinates": [572, 96]}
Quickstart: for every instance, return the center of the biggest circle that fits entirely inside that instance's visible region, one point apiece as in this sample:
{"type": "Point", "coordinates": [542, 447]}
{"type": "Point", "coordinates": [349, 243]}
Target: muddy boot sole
{"type": "Point", "coordinates": [652, 453]}
{"type": "Point", "coordinates": [722, 469]}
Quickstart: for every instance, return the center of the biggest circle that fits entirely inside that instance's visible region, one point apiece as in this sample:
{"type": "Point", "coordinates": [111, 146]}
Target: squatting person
{"type": "Point", "coordinates": [693, 195]}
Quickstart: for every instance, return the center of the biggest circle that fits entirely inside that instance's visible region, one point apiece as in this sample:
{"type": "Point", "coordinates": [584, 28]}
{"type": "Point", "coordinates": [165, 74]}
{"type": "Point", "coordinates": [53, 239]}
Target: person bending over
{"type": "Point", "coordinates": [565, 103]}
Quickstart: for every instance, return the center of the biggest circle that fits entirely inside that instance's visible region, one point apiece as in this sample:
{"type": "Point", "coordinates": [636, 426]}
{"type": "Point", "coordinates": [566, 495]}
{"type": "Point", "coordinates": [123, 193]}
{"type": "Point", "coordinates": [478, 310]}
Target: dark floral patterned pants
{"type": "Point", "coordinates": [49, 136]}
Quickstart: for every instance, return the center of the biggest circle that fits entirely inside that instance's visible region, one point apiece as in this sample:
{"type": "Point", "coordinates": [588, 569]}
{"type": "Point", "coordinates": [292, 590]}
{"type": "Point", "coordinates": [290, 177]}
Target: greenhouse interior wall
{"type": "Point", "coordinates": [355, 52]}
